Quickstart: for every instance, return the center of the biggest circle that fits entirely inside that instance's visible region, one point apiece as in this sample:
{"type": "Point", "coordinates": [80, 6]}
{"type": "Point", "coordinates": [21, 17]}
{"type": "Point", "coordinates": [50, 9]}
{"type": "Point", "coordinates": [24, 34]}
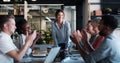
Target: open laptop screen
{"type": "Point", "coordinates": [52, 54]}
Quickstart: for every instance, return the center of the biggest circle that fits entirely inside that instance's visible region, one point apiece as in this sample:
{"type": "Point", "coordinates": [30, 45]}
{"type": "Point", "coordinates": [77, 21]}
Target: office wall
{"type": "Point", "coordinates": [70, 15]}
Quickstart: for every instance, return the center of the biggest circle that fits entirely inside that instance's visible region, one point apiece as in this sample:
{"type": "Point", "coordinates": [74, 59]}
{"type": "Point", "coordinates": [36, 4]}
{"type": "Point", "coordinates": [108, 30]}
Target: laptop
{"type": "Point", "coordinates": [49, 59]}
{"type": "Point", "coordinates": [52, 54]}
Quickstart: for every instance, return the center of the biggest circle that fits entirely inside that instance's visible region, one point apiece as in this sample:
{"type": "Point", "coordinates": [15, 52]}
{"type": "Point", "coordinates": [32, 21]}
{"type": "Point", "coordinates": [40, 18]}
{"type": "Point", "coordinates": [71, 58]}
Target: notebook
{"type": "Point", "coordinates": [52, 54]}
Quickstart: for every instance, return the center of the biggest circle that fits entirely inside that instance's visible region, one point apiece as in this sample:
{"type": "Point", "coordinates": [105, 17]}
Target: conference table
{"type": "Point", "coordinates": [72, 58]}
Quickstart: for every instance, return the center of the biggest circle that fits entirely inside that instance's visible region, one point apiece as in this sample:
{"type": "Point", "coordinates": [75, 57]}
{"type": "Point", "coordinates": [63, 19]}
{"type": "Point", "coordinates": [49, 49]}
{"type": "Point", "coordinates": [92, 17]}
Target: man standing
{"type": "Point", "coordinates": [109, 50]}
{"type": "Point", "coordinates": [8, 51]}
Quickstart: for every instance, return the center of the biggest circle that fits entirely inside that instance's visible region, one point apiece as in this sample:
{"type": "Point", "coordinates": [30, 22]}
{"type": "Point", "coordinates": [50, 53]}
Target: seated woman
{"type": "Point", "coordinates": [24, 28]}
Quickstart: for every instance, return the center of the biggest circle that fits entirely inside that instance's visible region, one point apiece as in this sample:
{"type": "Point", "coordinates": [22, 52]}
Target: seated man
{"type": "Point", "coordinates": [8, 51]}
{"type": "Point", "coordinates": [109, 50]}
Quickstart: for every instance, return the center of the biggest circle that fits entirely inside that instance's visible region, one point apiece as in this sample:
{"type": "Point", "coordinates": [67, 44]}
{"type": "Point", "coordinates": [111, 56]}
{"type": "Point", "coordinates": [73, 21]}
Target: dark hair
{"type": "Point", "coordinates": [58, 11]}
{"type": "Point", "coordinates": [89, 21]}
{"type": "Point", "coordinates": [110, 21]}
{"type": "Point", "coordinates": [19, 25]}
{"type": "Point", "coordinates": [4, 19]}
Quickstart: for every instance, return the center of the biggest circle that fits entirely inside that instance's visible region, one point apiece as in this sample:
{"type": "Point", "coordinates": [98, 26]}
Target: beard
{"type": "Point", "coordinates": [101, 33]}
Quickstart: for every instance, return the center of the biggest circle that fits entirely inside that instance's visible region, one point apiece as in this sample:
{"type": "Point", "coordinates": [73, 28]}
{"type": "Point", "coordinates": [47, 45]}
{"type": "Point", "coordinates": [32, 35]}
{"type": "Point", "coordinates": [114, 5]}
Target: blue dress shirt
{"type": "Point", "coordinates": [61, 35]}
{"type": "Point", "coordinates": [108, 52]}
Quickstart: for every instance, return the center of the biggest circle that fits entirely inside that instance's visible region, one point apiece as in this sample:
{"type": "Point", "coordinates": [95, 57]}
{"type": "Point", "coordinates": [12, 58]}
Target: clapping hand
{"type": "Point", "coordinates": [84, 35]}
{"type": "Point", "coordinates": [36, 39]}
{"type": "Point", "coordinates": [30, 37]}
{"type": "Point", "coordinates": [76, 37]}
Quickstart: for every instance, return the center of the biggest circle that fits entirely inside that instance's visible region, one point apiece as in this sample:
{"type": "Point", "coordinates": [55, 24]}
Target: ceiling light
{"type": "Point", "coordinates": [34, 0]}
{"type": "Point", "coordinates": [6, 0]}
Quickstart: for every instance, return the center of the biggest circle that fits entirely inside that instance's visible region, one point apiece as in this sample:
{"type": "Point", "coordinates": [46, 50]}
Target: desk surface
{"type": "Point", "coordinates": [74, 58]}
{"type": "Point", "coordinates": [32, 60]}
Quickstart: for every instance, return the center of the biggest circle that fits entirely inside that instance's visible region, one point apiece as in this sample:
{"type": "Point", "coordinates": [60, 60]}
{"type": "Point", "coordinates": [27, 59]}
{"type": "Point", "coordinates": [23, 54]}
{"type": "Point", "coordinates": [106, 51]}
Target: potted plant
{"type": "Point", "coordinates": [46, 37]}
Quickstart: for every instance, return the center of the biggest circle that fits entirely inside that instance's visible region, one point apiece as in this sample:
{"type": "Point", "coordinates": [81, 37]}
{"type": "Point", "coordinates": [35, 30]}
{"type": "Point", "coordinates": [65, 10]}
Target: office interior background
{"type": "Point", "coordinates": [40, 13]}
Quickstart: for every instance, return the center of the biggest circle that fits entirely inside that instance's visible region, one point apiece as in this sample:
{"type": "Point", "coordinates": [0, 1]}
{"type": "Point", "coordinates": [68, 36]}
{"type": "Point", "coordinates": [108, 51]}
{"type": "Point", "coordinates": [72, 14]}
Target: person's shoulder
{"type": "Point", "coordinates": [66, 23]}
{"type": "Point", "coordinates": [53, 22]}
{"type": "Point", "coordinates": [2, 34]}
{"type": "Point", "coordinates": [4, 37]}
{"type": "Point", "coordinates": [110, 39]}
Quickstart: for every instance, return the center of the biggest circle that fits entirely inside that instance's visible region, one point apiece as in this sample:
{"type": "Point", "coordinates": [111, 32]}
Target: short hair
{"type": "Point", "coordinates": [58, 11]}
{"type": "Point", "coordinates": [89, 22]}
{"type": "Point", "coordinates": [110, 21]}
{"type": "Point", "coordinates": [19, 25]}
{"type": "Point", "coordinates": [95, 21]}
{"type": "Point", "coordinates": [4, 19]}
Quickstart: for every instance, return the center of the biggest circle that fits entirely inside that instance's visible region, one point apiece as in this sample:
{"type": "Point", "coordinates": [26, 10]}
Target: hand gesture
{"type": "Point", "coordinates": [76, 36]}
{"type": "Point", "coordinates": [29, 38]}
{"type": "Point", "coordinates": [84, 35]}
{"type": "Point", "coordinates": [36, 39]}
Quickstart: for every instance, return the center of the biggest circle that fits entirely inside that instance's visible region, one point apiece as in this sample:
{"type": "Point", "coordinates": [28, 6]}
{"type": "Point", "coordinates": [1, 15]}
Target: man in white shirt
{"type": "Point", "coordinates": [8, 51]}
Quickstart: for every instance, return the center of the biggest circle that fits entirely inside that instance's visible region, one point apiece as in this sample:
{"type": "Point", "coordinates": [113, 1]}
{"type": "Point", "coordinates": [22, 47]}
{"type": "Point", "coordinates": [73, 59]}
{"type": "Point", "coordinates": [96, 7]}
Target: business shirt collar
{"type": "Point", "coordinates": [57, 24]}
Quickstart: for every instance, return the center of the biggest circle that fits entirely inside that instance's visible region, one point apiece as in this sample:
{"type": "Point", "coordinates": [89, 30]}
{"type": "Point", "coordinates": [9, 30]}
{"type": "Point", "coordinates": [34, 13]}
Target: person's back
{"type": "Point", "coordinates": [115, 54]}
{"type": "Point", "coordinates": [109, 50]}
{"type": "Point", "coordinates": [111, 47]}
